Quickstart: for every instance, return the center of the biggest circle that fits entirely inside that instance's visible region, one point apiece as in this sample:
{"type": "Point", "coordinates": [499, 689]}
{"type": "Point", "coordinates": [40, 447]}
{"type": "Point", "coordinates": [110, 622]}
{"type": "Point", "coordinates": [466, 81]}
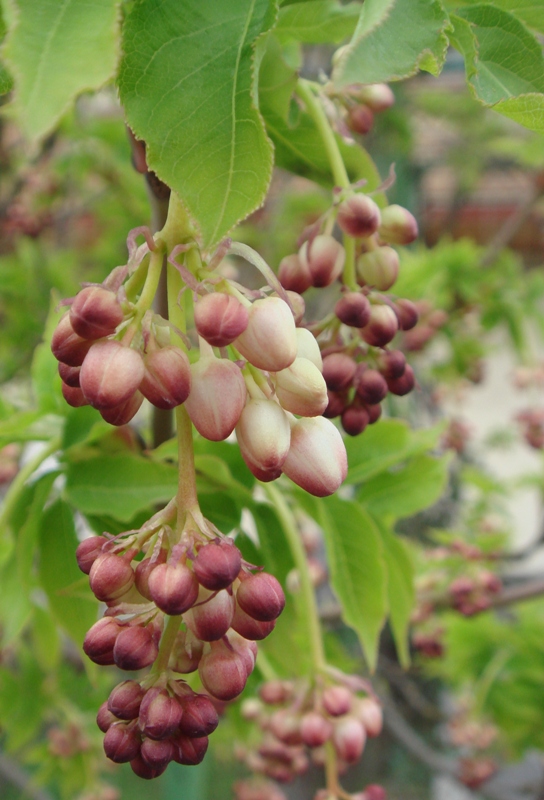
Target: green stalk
{"type": "Point", "coordinates": [167, 642]}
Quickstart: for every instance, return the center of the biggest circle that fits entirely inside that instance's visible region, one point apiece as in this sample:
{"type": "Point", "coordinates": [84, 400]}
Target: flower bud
{"type": "Point", "coordinates": [355, 419]}
{"type": "Point", "coordinates": [269, 341]}
{"type": "Point", "coordinates": [122, 414]}
{"type": "Point", "coordinates": [301, 388]}
{"type": "Point", "coordinates": [100, 641]}
{"type": "Point", "coordinates": [407, 314]}
{"type": "Point", "coordinates": [294, 274]}
{"type": "Point", "coordinates": [73, 396]}
{"type": "Point", "coordinates": [404, 384]}
{"type": "Point", "coordinates": [110, 576]}
{"type": "Point", "coordinates": [276, 692]}
{"type": "Point", "coordinates": [220, 318]}
{"type": "Point", "coordinates": [217, 397]}
{"type": "Point", "coordinates": [337, 700]}
{"type": "Point", "coordinates": [173, 588]}
{"type": "Point", "coordinates": [398, 226]}
{"type": "Point", "coordinates": [285, 725]}
{"type": "Point", "coordinates": [110, 374]}
{"type": "Point", "coordinates": [157, 754]}
{"type": "Point", "coordinates": [186, 653]}
{"type": "Point", "coordinates": [353, 309]}
{"type": "Point", "coordinates": [360, 119]}
{"type": "Point", "coordinates": [315, 730]}
{"type": "Point", "coordinates": [298, 306]}
{"type": "Point", "coordinates": [416, 339]}
{"type": "Point", "coordinates": [69, 375]}
{"type": "Point", "coordinates": [261, 596]}
{"type": "Point", "coordinates": [377, 96]}
{"type": "Point", "coordinates": [349, 739]}
{"type": "Point", "coordinates": [199, 716]}
{"type": "Point", "coordinates": [379, 268]}
{"type": "Point", "coordinates": [124, 700]}
{"type": "Point", "coordinates": [160, 714]}
{"type": "Point", "coordinates": [381, 327]}
{"type": "Point", "coordinates": [222, 672]}
{"type": "Point", "coordinates": [135, 648]}
{"type": "Point", "coordinates": [246, 649]}
{"type": "Point", "coordinates": [88, 551]}
{"type": "Point", "coordinates": [392, 363]}
{"type": "Point", "coordinates": [264, 434]}
{"type": "Point", "coordinates": [317, 460]}
{"type": "Point", "coordinates": [338, 371]}
{"type": "Point", "coordinates": [95, 312]}
{"type": "Point", "coordinates": [374, 413]}
{"type": "Point", "coordinates": [190, 751]}
{"type": "Point", "coordinates": [105, 718]}
{"type": "Point", "coordinates": [121, 742]}
{"type": "Point", "coordinates": [375, 792]}
{"type": "Point", "coordinates": [252, 629]}
{"type": "Point", "coordinates": [167, 377]}
{"type": "Point", "coordinates": [143, 571]}
{"type": "Point", "coordinates": [358, 216]}
{"type": "Point", "coordinates": [324, 257]}
{"type": "Point", "coordinates": [210, 619]}
{"type": "Point", "coordinates": [67, 346]}
{"type": "Point", "coordinates": [308, 347]}
{"type": "Point", "coordinates": [370, 386]}
{"type": "Point", "coordinates": [217, 564]}
{"type": "Point", "coordinates": [336, 405]}
{"type": "Point", "coordinates": [143, 770]}
{"type": "Point", "coordinates": [370, 714]}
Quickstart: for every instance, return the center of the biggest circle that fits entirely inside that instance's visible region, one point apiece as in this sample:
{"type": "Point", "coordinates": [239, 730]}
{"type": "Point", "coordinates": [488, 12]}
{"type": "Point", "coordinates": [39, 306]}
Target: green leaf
{"type": "Point", "coordinates": [29, 426]}
{"type": "Point", "coordinates": [46, 640]}
{"type": "Point", "coordinates": [393, 40]}
{"type": "Point", "coordinates": [70, 598]}
{"type": "Point", "coordinates": [275, 552]}
{"type": "Point", "coordinates": [28, 532]}
{"type": "Point", "coordinates": [56, 51]}
{"type": "Point", "coordinates": [277, 81]}
{"type": "Point", "coordinates": [358, 571]}
{"type": "Point", "coordinates": [527, 110]}
{"type": "Point", "coordinates": [531, 12]}
{"type": "Point", "coordinates": [119, 485]}
{"type": "Point", "coordinates": [82, 424]}
{"type": "Point", "coordinates": [221, 509]}
{"type": "Point", "coordinates": [6, 81]}
{"type": "Point", "coordinates": [405, 491]}
{"type": "Point", "coordinates": [15, 606]}
{"type": "Point", "coordinates": [186, 83]}
{"type": "Point", "coordinates": [319, 22]}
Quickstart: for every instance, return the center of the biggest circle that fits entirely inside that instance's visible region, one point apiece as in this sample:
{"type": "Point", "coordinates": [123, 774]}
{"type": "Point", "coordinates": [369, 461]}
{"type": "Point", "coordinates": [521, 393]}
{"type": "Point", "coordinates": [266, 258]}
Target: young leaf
{"type": "Point", "coordinates": [319, 22]}
{"type": "Point", "coordinates": [277, 81]}
{"type": "Point", "coordinates": [186, 83]}
{"type": "Point", "coordinates": [393, 40]}
{"type": "Point", "coordinates": [55, 51]}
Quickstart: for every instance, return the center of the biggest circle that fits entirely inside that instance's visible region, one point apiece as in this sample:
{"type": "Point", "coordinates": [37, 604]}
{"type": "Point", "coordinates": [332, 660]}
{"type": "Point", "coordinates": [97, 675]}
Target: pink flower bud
{"type": "Point", "coordinates": [337, 700]}
{"type": "Point", "coordinates": [95, 312]}
{"type": "Point", "coordinates": [264, 434]}
{"type": "Point", "coordinates": [370, 714]}
{"type": "Point", "coordinates": [308, 347]}
{"type": "Point", "coordinates": [370, 386]}
{"type": "Point", "coordinates": [122, 414]}
{"type": "Point", "coordinates": [285, 725]}
{"type": "Point", "coordinates": [375, 792]}
{"type": "Point", "coordinates": [315, 730]}
{"type": "Point", "coordinates": [392, 363]}
{"type": "Point", "coordinates": [338, 371]}
{"type": "Point", "coordinates": [377, 96]}
{"type": "Point", "coordinates": [349, 739]}
{"type": "Point", "coordinates": [220, 318]}
{"type": "Point", "coordinates": [261, 596]}
{"type": "Point", "coordinates": [110, 576]}
{"type": "Point", "coordinates": [173, 588]}
{"type": "Point", "coordinates": [88, 551]}
{"type": "Point", "coordinates": [217, 397]}
{"type": "Point", "coordinates": [222, 672]}
{"type": "Point", "coordinates": [355, 419]}
{"type": "Point", "coordinates": [157, 754]}
{"type": "Point", "coordinates": [135, 648]}
{"type": "Point", "coordinates": [143, 571]}
{"type": "Point", "coordinates": [404, 384]}
{"type": "Point", "coordinates": [199, 716]}
{"type": "Point", "coordinates": [301, 388]}
{"type": "Point", "coordinates": [317, 460]}
{"type": "Point", "coordinates": [143, 770]}
{"type": "Point", "coordinates": [110, 374]}
{"type": "Point", "coordinates": [276, 692]}
{"type": "Point", "coordinates": [73, 396]}
{"type": "Point", "coordinates": [186, 653]}
{"type": "Point", "coordinates": [269, 341]}
{"type": "Point", "coordinates": [298, 305]}
{"type": "Point", "coordinates": [217, 564]}
{"type": "Point", "coordinates": [358, 216]}
{"type": "Point", "coordinates": [360, 119]}
{"type": "Point", "coordinates": [190, 751]}
{"type": "Point", "coordinates": [353, 309]}
{"type": "Point", "coordinates": [69, 375]}
{"type": "Point", "coordinates": [104, 718]}
{"type": "Point", "coordinates": [250, 628]}
{"type": "Point", "coordinates": [398, 226]}
{"type": "Point", "coordinates": [167, 377]}
{"type": "Point", "coordinates": [324, 257]}
{"type": "Point", "coordinates": [379, 268]}
{"type": "Point", "coordinates": [381, 327]}
{"type": "Point", "coordinates": [246, 649]}
{"type": "Point", "coordinates": [100, 640]}
{"type": "Point", "coordinates": [67, 346]}
{"type": "Point", "coordinates": [124, 700]}
{"type": "Point", "coordinates": [336, 405]}
{"type": "Point", "coordinates": [210, 619]}
{"type": "Point", "coordinates": [160, 714]}
{"type": "Point", "coordinates": [121, 742]}
{"type": "Point", "coordinates": [407, 314]}
{"type": "Point", "coordinates": [294, 274]}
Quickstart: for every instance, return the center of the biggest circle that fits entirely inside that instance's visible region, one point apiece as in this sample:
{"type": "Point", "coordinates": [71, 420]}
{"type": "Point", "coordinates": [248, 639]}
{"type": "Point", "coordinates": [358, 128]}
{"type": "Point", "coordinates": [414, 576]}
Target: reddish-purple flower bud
{"type": "Point", "coordinates": [167, 377]}
{"type": "Point", "coordinates": [105, 718]}
{"type": "Point", "coordinates": [222, 672]}
{"type": "Point", "coordinates": [398, 226]}
{"type": "Point", "coordinates": [143, 571]}
{"type": "Point", "coordinates": [250, 628]}
{"type": "Point", "coordinates": [211, 617]}
{"type": "Point", "coordinates": [199, 716]}
{"type": "Point", "coordinates": [123, 413]}
{"type": "Point", "coordinates": [67, 346]}
{"type": "Point", "coordinates": [73, 396]}
{"type": "Point", "coordinates": [217, 564]}
{"type": "Point", "coordinates": [354, 419]}
{"type": "Point", "coordinates": [379, 268]}
{"type": "Point", "coordinates": [404, 384]}
{"type": "Point", "coordinates": [360, 119]}
{"type": "Point", "coordinates": [173, 587]}
{"type": "Point", "coordinates": [358, 216]}
{"type": "Point", "coordinates": [160, 714]}
{"type": "Point", "coordinates": [220, 318]}
{"type": "Point", "coordinates": [217, 397]}
{"type": "Point", "coordinates": [157, 754]}
{"type": "Point", "coordinates": [315, 730]}
{"type": "Point", "coordinates": [301, 388]}
{"type": "Point", "coordinates": [261, 596]}
{"type": "Point", "coordinates": [88, 551]}
{"type": "Point", "coordinates": [110, 576]}
{"type": "Point", "coordinates": [374, 413]}
{"type": "Point", "coordinates": [124, 700]}
{"type": "Point", "coordinates": [69, 375]}
{"type": "Point", "coordinates": [317, 460]}
{"type": "Point", "coordinates": [190, 751]}
{"type": "Point", "coordinates": [95, 312]}
{"type": "Point", "coordinates": [337, 700]}
{"type": "Point", "coordinates": [381, 327]}
{"type": "Point", "coordinates": [246, 649]}
{"type": "Point", "coordinates": [370, 386]}
{"type": "Point", "coordinates": [338, 371]}
{"type": "Point", "coordinates": [324, 257]}
{"type": "Point", "coordinates": [336, 405]}
{"type": "Point", "coordinates": [186, 653]}
{"type": "Point", "coordinates": [269, 341]}
{"type": "Point", "coordinates": [135, 648]}
{"type": "Point", "coordinates": [349, 739]}
{"type": "Point", "coordinates": [122, 742]}
{"type": "Point", "coordinates": [264, 433]}
{"type": "Point", "coordinates": [294, 274]}
{"type": "Point", "coordinates": [391, 363]}
{"type": "Point", "coordinates": [100, 640]}
{"type": "Point", "coordinates": [407, 314]}
{"type": "Point", "coordinates": [143, 770]}
{"type": "Point", "coordinates": [353, 309]}
{"type": "Point", "coordinates": [110, 374]}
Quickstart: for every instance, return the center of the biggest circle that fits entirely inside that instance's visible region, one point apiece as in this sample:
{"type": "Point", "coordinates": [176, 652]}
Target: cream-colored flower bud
{"type": "Point", "coordinates": [307, 347]}
{"type": "Point", "coordinates": [379, 268]}
{"type": "Point", "coordinates": [217, 398]}
{"type": "Point", "coordinates": [264, 435]}
{"type": "Point", "coordinates": [301, 388]}
{"type": "Point", "coordinates": [317, 459]}
{"type": "Point", "coordinates": [325, 259]}
{"type": "Point", "coordinates": [270, 341]}
{"type": "Point", "coordinates": [398, 226]}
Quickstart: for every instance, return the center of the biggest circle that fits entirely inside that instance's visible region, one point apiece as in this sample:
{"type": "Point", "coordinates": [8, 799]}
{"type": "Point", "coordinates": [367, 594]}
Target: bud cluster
{"type": "Point", "coordinates": [297, 722]}
{"type": "Point", "coordinates": [361, 102]}
{"type": "Point", "coordinates": [431, 320]}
